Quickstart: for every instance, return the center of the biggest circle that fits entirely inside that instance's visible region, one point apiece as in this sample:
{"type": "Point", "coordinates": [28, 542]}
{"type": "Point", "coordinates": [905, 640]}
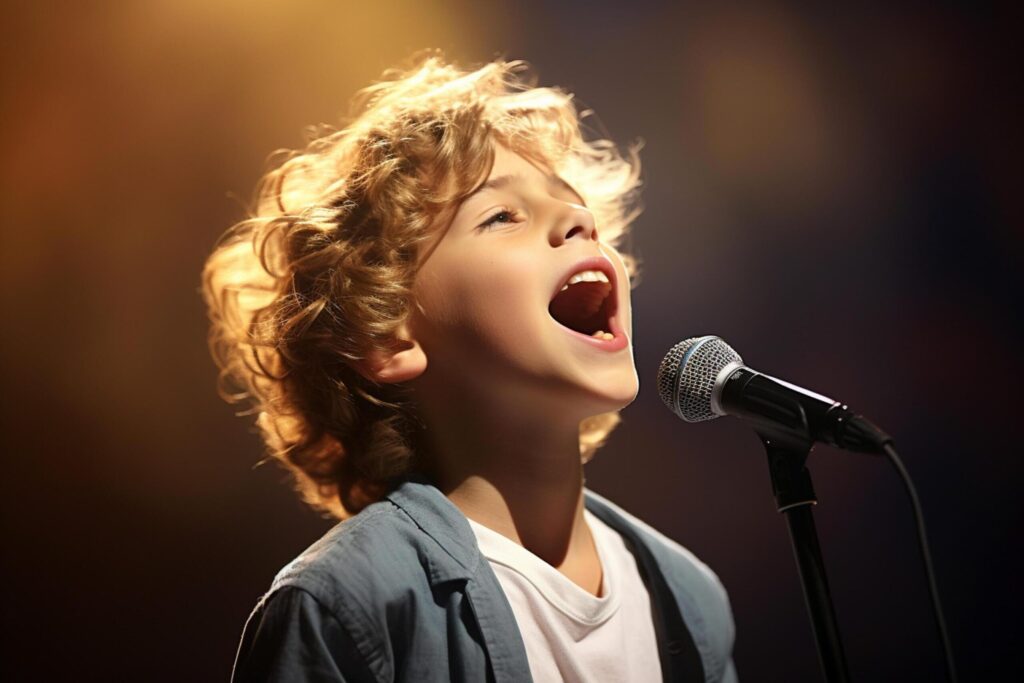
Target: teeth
{"type": "Point", "coordinates": [601, 334]}
{"type": "Point", "coordinates": [586, 276]}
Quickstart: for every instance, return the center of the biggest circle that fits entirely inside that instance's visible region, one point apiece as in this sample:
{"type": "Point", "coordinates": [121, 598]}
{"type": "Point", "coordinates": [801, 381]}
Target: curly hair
{"type": "Point", "coordinates": [321, 272]}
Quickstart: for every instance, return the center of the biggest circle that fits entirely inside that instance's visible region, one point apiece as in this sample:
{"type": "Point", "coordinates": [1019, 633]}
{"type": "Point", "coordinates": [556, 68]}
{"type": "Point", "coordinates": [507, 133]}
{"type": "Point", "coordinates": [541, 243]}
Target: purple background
{"type": "Point", "coordinates": [833, 191]}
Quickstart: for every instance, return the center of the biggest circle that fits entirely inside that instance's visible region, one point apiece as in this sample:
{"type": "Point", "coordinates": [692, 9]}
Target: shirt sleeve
{"type": "Point", "coordinates": [290, 636]}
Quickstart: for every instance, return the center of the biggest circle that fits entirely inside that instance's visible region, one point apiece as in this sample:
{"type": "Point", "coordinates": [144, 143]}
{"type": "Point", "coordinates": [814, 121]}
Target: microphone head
{"type": "Point", "coordinates": [686, 377]}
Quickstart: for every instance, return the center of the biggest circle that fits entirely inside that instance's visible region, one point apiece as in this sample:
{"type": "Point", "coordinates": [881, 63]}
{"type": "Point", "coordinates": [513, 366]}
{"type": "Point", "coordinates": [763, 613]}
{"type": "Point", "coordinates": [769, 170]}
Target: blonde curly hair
{"type": "Point", "coordinates": [321, 272]}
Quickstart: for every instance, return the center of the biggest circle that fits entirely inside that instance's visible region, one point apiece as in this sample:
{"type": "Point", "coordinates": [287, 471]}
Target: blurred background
{"type": "Point", "coordinates": [834, 191]}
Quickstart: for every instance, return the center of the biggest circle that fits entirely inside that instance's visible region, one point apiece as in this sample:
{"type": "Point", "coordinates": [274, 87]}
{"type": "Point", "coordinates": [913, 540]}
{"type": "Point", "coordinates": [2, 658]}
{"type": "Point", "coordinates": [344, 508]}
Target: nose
{"type": "Point", "coordinates": [575, 223]}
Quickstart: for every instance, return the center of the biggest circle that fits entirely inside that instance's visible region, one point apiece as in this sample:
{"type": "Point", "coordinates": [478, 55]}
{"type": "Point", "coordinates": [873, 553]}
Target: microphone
{"type": "Point", "coordinates": [702, 378]}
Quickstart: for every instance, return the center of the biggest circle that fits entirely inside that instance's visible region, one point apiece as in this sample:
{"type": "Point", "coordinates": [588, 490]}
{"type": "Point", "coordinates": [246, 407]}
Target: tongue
{"type": "Point", "coordinates": [578, 306]}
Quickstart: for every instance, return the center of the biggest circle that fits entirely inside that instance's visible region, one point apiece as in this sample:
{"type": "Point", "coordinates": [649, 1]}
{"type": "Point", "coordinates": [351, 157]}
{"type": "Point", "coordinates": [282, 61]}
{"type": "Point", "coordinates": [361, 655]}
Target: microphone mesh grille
{"type": "Point", "coordinates": [668, 372]}
{"type": "Point", "coordinates": [687, 376]}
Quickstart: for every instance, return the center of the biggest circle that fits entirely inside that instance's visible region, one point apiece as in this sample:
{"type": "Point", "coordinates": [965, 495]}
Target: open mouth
{"type": "Point", "coordinates": [586, 304]}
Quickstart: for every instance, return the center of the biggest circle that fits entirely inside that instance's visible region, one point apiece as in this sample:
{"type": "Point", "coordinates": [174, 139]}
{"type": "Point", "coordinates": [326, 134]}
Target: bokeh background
{"type": "Point", "coordinates": [834, 191]}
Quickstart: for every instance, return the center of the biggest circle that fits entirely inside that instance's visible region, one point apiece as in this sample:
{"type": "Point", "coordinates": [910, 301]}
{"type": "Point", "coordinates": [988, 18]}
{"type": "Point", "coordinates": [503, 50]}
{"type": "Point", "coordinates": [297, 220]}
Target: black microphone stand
{"type": "Point", "coordinates": [794, 495]}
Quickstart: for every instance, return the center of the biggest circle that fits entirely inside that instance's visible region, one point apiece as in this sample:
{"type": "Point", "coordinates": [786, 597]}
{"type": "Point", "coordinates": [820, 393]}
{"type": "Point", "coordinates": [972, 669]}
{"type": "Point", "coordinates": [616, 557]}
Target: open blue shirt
{"type": "Point", "coordinates": [400, 592]}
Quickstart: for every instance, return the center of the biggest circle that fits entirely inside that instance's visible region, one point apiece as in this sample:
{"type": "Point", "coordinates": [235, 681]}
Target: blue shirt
{"type": "Point", "coordinates": [400, 592]}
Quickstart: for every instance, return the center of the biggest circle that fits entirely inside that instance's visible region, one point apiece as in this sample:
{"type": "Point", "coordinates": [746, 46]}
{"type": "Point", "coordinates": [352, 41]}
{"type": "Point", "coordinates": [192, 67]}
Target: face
{"type": "Point", "coordinates": [483, 296]}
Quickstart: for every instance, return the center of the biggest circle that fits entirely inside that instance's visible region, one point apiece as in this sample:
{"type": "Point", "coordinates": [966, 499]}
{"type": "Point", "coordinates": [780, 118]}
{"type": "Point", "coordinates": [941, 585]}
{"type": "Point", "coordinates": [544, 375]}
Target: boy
{"type": "Point", "coordinates": [430, 316]}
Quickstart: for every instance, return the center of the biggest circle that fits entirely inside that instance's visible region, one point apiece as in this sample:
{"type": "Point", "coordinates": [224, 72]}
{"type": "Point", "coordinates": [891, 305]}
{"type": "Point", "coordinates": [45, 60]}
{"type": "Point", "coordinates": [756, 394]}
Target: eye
{"type": "Point", "coordinates": [503, 215]}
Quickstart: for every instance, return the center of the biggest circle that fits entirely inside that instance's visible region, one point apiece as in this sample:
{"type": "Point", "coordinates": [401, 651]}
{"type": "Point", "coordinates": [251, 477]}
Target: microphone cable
{"type": "Point", "coordinates": [926, 555]}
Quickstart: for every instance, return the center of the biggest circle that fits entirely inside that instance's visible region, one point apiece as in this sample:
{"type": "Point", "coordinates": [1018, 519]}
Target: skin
{"type": "Point", "coordinates": [500, 385]}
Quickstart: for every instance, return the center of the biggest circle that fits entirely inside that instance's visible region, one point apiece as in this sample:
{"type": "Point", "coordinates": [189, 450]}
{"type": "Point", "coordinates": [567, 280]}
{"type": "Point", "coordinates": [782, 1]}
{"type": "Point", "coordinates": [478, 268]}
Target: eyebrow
{"type": "Point", "coordinates": [554, 182]}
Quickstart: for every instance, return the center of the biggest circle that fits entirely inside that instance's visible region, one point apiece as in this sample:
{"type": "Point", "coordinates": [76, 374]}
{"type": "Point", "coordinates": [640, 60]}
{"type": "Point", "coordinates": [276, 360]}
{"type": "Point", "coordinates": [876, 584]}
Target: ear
{"type": "Point", "coordinates": [404, 362]}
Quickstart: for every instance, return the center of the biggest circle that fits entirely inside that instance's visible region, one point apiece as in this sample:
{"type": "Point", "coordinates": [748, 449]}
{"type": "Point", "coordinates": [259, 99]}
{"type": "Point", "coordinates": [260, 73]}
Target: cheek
{"type": "Point", "coordinates": [503, 298]}
{"type": "Point", "coordinates": [490, 300]}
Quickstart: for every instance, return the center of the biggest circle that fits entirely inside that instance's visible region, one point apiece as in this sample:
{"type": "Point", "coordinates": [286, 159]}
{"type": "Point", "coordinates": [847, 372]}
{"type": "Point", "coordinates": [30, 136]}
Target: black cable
{"type": "Point", "coordinates": [927, 557]}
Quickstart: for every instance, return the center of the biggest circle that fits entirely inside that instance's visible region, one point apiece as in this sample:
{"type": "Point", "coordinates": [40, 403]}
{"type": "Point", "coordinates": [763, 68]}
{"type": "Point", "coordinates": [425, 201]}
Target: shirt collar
{"type": "Point", "coordinates": [439, 519]}
{"type": "Point", "coordinates": [446, 524]}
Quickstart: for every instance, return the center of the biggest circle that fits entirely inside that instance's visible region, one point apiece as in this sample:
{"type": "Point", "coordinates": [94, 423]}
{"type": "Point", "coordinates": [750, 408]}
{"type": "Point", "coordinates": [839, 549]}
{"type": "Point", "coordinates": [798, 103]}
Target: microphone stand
{"type": "Point", "coordinates": [794, 495]}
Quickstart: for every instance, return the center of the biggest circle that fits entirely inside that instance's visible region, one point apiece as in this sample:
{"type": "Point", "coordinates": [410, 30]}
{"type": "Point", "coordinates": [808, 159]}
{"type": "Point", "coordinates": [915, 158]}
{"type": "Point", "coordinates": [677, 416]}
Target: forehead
{"type": "Point", "coordinates": [509, 163]}
{"type": "Point", "coordinates": [505, 161]}
{"type": "Point", "coordinates": [510, 169]}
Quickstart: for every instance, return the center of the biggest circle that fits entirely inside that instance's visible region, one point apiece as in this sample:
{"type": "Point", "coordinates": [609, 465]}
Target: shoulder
{"type": "Point", "coordinates": [290, 636]}
{"type": "Point", "coordinates": [370, 593]}
{"type": "Point", "coordinates": [326, 611]}
{"type": "Point", "coordinates": [362, 565]}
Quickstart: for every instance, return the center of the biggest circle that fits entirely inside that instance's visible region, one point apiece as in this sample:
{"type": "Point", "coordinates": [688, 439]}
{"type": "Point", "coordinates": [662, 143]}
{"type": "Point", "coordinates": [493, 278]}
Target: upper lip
{"type": "Point", "coordinates": [599, 263]}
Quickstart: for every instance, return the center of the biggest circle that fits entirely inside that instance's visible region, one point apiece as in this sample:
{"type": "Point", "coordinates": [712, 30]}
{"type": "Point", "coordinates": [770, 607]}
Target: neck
{"type": "Point", "coordinates": [520, 477]}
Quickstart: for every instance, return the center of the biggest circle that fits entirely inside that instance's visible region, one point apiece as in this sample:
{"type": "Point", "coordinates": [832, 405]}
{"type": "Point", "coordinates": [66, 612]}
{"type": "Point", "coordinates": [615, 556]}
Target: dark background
{"type": "Point", "coordinates": [833, 191]}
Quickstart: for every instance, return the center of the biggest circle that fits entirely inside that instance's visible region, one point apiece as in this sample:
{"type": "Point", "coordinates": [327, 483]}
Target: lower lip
{"type": "Point", "coordinates": [617, 343]}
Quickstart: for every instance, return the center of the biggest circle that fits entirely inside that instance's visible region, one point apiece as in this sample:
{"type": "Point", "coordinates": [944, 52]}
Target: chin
{"type": "Point", "coordinates": [628, 397]}
{"type": "Point", "coordinates": [618, 393]}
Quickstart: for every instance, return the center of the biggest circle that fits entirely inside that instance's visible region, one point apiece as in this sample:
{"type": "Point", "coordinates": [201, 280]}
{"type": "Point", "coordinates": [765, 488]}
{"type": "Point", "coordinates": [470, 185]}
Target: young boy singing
{"type": "Point", "coordinates": [429, 314]}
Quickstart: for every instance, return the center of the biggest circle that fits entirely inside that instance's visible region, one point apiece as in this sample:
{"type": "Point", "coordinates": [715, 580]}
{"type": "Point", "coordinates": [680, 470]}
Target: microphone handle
{"type": "Point", "coordinates": [793, 415]}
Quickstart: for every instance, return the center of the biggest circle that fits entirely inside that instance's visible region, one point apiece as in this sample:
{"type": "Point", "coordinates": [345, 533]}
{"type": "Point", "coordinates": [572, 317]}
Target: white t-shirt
{"type": "Point", "coordinates": [571, 635]}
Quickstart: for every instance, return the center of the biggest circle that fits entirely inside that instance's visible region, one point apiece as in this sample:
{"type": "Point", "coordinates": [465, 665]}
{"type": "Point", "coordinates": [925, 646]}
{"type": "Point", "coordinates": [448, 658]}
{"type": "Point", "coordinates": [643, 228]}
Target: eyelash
{"type": "Point", "coordinates": [513, 214]}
